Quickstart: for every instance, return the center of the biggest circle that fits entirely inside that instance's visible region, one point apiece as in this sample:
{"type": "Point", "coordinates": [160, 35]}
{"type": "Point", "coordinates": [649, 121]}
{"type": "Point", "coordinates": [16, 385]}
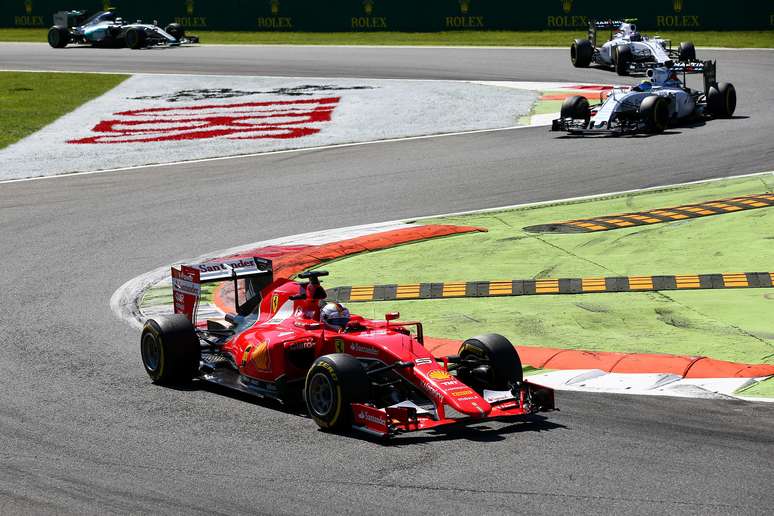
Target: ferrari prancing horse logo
{"type": "Point", "coordinates": [339, 343]}
{"type": "Point", "coordinates": [274, 303]}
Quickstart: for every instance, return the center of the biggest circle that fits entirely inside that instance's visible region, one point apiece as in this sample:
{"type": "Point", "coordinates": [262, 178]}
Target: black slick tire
{"type": "Point", "coordinates": [721, 100]}
{"type": "Point", "coordinates": [332, 383]}
{"type": "Point", "coordinates": [175, 30]}
{"type": "Point", "coordinates": [686, 52]}
{"type": "Point", "coordinates": [170, 349]}
{"type": "Point", "coordinates": [654, 112]}
{"type": "Point", "coordinates": [58, 37]}
{"type": "Point", "coordinates": [135, 38]}
{"type": "Point", "coordinates": [576, 107]}
{"type": "Point", "coordinates": [581, 52]}
{"type": "Point", "coordinates": [622, 58]}
{"type": "Point", "coordinates": [503, 370]}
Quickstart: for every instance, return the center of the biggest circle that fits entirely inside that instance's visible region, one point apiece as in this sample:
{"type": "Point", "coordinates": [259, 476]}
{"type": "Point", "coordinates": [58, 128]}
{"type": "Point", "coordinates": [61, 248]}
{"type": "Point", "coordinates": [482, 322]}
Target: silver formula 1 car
{"type": "Point", "coordinates": [627, 50]}
{"type": "Point", "coordinates": [106, 29]}
{"type": "Point", "coordinates": [650, 107]}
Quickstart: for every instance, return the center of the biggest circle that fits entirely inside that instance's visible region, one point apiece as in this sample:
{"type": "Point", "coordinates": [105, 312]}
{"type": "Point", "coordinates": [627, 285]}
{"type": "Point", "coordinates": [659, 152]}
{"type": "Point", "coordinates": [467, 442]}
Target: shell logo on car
{"type": "Point", "coordinates": [439, 374]}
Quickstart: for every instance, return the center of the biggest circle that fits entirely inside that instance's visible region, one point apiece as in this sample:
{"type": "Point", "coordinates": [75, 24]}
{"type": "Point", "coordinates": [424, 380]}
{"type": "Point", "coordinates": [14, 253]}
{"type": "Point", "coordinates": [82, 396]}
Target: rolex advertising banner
{"type": "Point", "coordinates": [405, 15]}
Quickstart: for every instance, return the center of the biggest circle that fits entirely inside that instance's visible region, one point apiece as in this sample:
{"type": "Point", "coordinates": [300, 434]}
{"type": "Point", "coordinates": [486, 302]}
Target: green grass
{"type": "Point", "coordinates": [725, 324]}
{"type": "Point", "coordinates": [731, 39]}
{"type": "Point", "coordinates": [31, 100]}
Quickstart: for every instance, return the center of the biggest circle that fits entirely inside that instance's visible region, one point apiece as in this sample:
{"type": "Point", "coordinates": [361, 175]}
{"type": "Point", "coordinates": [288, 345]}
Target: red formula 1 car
{"type": "Point", "coordinates": [373, 376]}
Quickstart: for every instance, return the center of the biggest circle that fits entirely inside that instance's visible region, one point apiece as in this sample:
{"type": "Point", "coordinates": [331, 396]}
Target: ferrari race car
{"type": "Point", "coordinates": [627, 50]}
{"type": "Point", "coordinates": [105, 29]}
{"type": "Point", "coordinates": [650, 107]}
{"type": "Point", "coordinates": [374, 376]}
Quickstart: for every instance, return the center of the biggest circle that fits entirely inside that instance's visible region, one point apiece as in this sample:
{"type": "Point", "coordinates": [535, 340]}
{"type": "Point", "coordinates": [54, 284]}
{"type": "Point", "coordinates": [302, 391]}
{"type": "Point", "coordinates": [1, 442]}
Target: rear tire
{"type": "Point", "coordinates": [622, 58]}
{"type": "Point", "coordinates": [58, 37]}
{"type": "Point", "coordinates": [577, 108]}
{"type": "Point", "coordinates": [654, 111]}
{"type": "Point", "coordinates": [581, 52]}
{"type": "Point", "coordinates": [686, 52]}
{"type": "Point", "coordinates": [170, 349]}
{"type": "Point", "coordinates": [332, 383]}
{"type": "Point", "coordinates": [135, 38]}
{"type": "Point", "coordinates": [721, 100]}
{"type": "Point", "coordinates": [175, 30]}
{"type": "Point", "coordinates": [504, 368]}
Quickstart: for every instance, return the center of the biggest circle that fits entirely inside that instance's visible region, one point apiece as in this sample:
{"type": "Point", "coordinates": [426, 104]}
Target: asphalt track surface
{"type": "Point", "coordinates": [82, 430]}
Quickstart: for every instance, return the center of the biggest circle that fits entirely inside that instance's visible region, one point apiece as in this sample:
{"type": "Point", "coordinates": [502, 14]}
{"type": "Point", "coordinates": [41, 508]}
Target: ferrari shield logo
{"type": "Point", "coordinates": [339, 343]}
{"type": "Point", "coordinates": [274, 303]}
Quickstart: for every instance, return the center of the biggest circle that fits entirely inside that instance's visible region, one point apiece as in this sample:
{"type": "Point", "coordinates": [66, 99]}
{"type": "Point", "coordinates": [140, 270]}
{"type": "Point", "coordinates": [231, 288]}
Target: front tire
{"type": "Point", "coordinates": [577, 108]}
{"type": "Point", "coordinates": [58, 37]}
{"type": "Point", "coordinates": [135, 38]}
{"type": "Point", "coordinates": [502, 369]}
{"type": "Point", "coordinates": [721, 100]}
{"type": "Point", "coordinates": [581, 52]}
{"type": "Point", "coordinates": [170, 349]}
{"type": "Point", "coordinates": [332, 383]}
{"type": "Point", "coordinates": [686, 52]}
{"type": "Point", "coordinates": [175, 30]}
{"type": "Point", "coordinates": [654, 112]}
{"type": "Point", "coordinates": [622, 58]}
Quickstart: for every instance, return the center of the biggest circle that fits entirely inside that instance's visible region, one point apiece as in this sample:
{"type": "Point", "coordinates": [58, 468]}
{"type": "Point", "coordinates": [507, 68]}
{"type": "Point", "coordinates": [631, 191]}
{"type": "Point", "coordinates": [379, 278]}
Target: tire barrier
{"type": "Point", "coordinates": [511, 288]}
{"type": "Point", "coordinates": [642, 218]}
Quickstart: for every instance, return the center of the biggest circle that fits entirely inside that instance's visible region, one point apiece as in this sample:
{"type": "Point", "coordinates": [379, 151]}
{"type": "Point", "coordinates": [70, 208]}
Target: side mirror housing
{"type": "Point", "coordinates": [391, 316]}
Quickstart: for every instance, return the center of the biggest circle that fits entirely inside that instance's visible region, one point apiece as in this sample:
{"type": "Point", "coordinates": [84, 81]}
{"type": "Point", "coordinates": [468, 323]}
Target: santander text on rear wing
{"type": "Point", "coordinates": [187, 281]}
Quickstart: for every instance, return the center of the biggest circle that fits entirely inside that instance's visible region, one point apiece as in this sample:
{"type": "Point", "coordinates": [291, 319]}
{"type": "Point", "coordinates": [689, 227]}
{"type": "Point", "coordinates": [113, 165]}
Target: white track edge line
{"type": "Point", "coordinates": [268, 153]}
{"type": "Point", "coordinates": [133, 288]}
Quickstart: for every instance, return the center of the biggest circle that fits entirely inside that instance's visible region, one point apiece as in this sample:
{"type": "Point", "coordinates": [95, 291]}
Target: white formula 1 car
{"type": "Point", "coordinates": [661, 100]}
{"type": "Point", "coordinates": [627, 50]}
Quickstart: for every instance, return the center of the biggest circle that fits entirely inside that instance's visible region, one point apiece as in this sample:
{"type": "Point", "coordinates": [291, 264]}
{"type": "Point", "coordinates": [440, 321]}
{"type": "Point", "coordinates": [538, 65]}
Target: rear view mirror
{"type": "Point", "coordinates": [391, 316]}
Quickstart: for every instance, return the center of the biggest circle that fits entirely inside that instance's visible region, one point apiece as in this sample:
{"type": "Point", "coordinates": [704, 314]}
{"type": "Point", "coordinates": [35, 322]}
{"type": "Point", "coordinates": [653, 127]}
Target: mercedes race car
{"type": "Point", "coordinates": [627, 50]}
{"type": "Point", "coordinates": [105, 29]}
{"type": "Point", "coordinates": [284, 342]}
{"type": "Point", "coordinates": [650, 107]}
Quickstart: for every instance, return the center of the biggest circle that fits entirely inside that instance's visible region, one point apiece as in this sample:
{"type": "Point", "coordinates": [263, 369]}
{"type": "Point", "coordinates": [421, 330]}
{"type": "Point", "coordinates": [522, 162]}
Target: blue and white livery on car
{"type": "Point", "coordinates": [627, 50]}
{"type": "Point", "coordinates": [653, 105]}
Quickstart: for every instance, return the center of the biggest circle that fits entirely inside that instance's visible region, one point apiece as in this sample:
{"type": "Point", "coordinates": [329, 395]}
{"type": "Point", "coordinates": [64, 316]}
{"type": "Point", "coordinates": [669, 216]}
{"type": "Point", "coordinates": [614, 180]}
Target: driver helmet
{"type": "Point", "coordinates": [636, 36]}
{"type": "Point", "coordinates": [644, 85]}
{"type": "Point", "coordinates": [335, 314]}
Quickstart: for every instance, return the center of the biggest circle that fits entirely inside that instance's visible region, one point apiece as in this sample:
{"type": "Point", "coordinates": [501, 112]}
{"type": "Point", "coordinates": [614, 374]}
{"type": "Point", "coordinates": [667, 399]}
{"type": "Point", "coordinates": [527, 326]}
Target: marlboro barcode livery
{"type": "Point", "coordinates": [284, 341]}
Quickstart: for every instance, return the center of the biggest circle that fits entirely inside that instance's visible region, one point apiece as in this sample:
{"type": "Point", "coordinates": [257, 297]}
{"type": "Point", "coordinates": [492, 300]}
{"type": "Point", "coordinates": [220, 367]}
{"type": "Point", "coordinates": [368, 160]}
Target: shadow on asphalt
{"type": "Point", "coordinates": [481, 431]}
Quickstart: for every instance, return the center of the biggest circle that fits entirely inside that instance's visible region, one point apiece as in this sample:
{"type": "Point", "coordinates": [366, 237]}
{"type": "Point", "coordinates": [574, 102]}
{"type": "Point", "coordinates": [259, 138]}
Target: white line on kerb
{"type": "Point", "coordinates": [124, 299]}
{"type": "Point", "coordinates": [269, 153]}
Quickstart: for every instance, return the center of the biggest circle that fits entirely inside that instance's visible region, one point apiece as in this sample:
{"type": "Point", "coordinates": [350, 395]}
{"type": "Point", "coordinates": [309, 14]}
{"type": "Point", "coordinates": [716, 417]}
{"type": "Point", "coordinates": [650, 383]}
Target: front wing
{"type": "Point", "coordinates": [389, 421]}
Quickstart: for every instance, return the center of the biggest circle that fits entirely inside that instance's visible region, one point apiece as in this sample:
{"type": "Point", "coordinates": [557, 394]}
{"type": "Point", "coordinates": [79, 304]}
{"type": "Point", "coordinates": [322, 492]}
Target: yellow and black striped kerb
{"type": "Point", "coordinates": [551, 286]}
{"type": "Point", "coordinates": [626, 220]}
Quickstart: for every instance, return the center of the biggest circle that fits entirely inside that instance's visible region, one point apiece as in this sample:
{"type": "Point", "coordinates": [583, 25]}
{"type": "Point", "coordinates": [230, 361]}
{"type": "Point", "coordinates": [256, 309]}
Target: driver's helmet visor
{"type": "Point", "coordinates": [338, 321]}
{"type": "Point", "coordinates": [335, 314]}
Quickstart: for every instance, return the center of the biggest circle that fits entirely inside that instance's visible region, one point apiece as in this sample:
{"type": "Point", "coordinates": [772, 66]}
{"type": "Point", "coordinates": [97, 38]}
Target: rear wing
{"type": "Point", "coordinates": [707, 68]}
{"type": "Point", "coordinates": [187, 280]}
{"type": "Point", "coordinates": [595, 25]}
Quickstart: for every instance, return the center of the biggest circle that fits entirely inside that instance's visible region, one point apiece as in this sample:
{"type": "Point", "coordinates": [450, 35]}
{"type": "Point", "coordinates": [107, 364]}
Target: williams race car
{"type": "Point", "coordinates": [376, 376]}
{"type": "Point", "coordinates": [105, 29]}
{"type": "Point", "coordinates": [627, 50]}
{"type": "Point", "coordinates": [650, 107]}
